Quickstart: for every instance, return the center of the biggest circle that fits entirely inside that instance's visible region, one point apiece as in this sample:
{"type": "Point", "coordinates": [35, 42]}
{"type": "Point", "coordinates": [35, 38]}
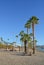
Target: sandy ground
{"type": "Point", "coordinates": [15, 58]}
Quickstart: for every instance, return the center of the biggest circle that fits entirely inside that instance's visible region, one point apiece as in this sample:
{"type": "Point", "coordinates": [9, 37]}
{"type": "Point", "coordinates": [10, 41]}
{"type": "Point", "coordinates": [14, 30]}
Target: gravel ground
{"type": "Point", "coordinates": [15, 58]}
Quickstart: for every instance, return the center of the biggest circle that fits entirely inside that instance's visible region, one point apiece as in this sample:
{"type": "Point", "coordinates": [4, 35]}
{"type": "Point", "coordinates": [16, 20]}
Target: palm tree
{"type": "Point", "coordinates": [28, 26]}
{"type": "Point", "coordinates": [33, 20]}
{"type": "Point", "coordinates": [21, 39]}
{"type": "Point", "coordinates": [16, 38]}
{"type": "Point", "coordinates": [1, 39]}
{"type": "Point", "coordinates": [24, 38]}
{"type": "Point", "coordinates": [35, 41]}
{"type": "Point", "coordinates": [21, 33]}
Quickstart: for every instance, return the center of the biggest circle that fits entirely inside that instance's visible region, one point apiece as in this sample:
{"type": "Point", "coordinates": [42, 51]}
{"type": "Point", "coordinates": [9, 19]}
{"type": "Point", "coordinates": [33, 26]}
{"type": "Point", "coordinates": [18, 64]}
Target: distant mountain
{"type": "Point", "coordinates": [41, 46]}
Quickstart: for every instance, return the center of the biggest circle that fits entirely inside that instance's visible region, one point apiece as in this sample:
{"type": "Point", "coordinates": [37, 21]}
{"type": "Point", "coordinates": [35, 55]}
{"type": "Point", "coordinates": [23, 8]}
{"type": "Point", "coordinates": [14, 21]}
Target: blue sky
{"type": "Point", "coordinates": [15, 13]}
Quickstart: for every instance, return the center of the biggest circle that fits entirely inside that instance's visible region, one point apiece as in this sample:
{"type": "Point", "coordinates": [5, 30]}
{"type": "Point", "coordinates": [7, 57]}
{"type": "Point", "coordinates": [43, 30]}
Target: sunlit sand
{"type": "Point", "coordinates": [12, 58]}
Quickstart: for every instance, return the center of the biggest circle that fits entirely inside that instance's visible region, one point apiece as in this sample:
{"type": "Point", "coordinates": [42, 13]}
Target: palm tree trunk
{"type": "Point", "coordinates": [25, 42]}
{"type": "Point", "coordinates": [33, 38]}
